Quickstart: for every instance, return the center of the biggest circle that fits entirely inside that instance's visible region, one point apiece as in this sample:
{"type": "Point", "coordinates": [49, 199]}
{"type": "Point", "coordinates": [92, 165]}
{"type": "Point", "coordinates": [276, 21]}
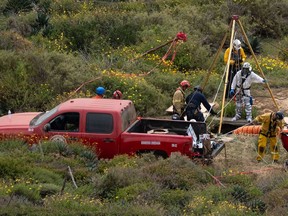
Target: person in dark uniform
{"type": "Point", "coordinates": [193, 108]}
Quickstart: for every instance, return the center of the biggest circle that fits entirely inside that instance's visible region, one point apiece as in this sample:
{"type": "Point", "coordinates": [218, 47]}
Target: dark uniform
{"type": "Point", "coordinates": [193, 109]}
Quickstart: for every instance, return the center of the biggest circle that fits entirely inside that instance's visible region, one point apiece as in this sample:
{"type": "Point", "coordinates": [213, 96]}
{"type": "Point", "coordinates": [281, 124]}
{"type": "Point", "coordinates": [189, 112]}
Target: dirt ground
{"type": "Point", "coordinates": [240, 154]}
{"type": "Point", "coordinates": [264, 101]}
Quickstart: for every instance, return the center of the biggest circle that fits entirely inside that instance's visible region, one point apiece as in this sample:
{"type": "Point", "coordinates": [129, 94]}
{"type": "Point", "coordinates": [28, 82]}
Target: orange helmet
{"type": "Point", "coordinates": [185, 83]}
{"type": "Point", "coordinates": [117, 94]}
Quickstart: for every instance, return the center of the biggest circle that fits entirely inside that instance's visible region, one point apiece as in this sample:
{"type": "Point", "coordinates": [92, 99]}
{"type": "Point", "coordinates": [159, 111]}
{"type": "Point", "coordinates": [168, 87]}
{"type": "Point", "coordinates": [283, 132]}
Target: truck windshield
{"type": "Point", "coordinates": [43, 116]}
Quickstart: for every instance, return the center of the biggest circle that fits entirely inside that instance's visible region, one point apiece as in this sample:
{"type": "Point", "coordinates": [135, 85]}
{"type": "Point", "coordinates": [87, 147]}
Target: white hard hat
{"type": "Point", "coordinates": [237, 44]}
{"type": "Point", "coordinates": [247, 65]}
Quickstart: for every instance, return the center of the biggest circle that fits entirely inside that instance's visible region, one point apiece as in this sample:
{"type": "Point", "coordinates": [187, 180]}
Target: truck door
{"type": "Point", "coordinates": [101, 133]}
{"type": "Point", "coordinates": [65, 127]}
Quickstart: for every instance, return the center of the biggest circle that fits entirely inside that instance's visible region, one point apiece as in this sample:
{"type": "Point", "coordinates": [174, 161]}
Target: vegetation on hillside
{"type": "Point", "coordinates": [38, 181]}
{"type": "Point", "coordinates": [52, 50]}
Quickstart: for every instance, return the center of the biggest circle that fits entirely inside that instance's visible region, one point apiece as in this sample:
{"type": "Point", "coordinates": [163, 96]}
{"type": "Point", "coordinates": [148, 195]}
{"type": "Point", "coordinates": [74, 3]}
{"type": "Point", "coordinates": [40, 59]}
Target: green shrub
{"type": "Point", "coordinates": [176, 172]}
{"type": "Point", "coordinates": [243, 180]}
{"type": "Point", "coordinates": [33, 74]}
{"type": "Point", "coordinates": [11, 40]}
{"type": "Point", "coordinates": [49, 189]}
{"type": "Point", "coordinates": [44, 175]}
{"type": "Point", "coordinates": [114, 179]}
{"type": "Point", "coordinates": [175, 200]}
{"type": "Point", "coordinates": [17, 6]}
{"type": "Point", "coordinates": [132, 209]}
{"type": "Point", "coordinates": [135, 192]}
{"type": "Point", "coordinates": [9, 146]}
{"type": "Point", "coordinates": [147, 98]}
{"type": "Point", "coordinates": [90, 158]}
{"type": "Point", "coordinates": [30, 192]}
{"type": "Point", "coordinates": [12, 167]}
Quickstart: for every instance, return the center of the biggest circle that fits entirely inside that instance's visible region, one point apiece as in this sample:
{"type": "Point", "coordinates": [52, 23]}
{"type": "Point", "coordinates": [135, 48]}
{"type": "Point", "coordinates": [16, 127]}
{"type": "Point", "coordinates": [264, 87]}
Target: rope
{"type": "Point", "coordinates": [249, 172]}
{"type": "Point", "coordinates": [216, 96]}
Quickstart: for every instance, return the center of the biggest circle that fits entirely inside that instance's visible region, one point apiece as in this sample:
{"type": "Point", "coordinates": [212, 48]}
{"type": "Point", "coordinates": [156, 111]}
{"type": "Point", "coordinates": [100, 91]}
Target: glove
{"type": "Point", "coordinates": [213, 112]}
{"type": "Point", "coordinates": [264, 81]}
{"type": "Point", "coordinates": [278, 131]}
{"type": "Point", "coordinates": [232, 93]}
{"type": "Point", "coordinates": [232, 62]}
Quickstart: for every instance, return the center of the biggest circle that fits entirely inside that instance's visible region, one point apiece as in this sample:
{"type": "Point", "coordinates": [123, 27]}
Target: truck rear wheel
{"type": "Point", "coordinates": [156, 153]}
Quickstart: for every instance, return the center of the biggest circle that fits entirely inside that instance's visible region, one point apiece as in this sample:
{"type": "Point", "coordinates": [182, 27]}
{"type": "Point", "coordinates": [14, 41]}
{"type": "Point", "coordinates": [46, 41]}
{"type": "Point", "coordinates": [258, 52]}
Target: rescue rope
{"type": "Point", "coordinates": [173, 47]}
{"type": "Point", "coordinates": [180, 36]}
{"type": "Point", "coordinates": [215, 99]}
{"type": "Point", "coordinates": [249, 172]}
{"type": "Point", "coordinates": [222, 79]}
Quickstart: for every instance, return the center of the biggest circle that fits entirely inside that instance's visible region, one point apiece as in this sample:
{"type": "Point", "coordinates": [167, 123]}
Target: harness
{"type": "Point", "coordinates": [272, 127]}
{"type": "Point", "coordinates": [191, 107]}
{"type": "Point", "coordinates": [236, 56]}
{"type": "Point", "coordinates": [241, 86]}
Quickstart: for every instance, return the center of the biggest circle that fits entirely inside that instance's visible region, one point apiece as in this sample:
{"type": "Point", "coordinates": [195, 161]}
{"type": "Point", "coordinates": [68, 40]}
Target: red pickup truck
{"type": "Point", "coordinates": [112, 126]}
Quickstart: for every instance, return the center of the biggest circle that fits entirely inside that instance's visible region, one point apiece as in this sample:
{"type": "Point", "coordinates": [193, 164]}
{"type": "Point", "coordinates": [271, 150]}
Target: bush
{"type": "Point", "coordinates": [34, 75]}
{"type": "Point", "coordinates": [173, 173]}
{"type": "Point", "coordinates": [44, 175]}
{"type": "Point", "coordinates": [12, 167]}
{"type": "Point", "coordinates": [28, 191]}
{"type": "Point", "coordinates": [17, 6]}
{"type": "Point", "coordinates": [115, 179]}
{"type": "Point", "coordinates": [175, 200]}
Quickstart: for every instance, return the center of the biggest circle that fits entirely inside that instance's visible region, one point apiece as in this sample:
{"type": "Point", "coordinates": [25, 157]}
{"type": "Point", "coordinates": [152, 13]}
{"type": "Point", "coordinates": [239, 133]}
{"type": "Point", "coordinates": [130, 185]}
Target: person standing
{"type": "Point", "coordinates": [100, 91]}
{"type": "Point", "coordinates": [179, 100]}
{"type": "Point", "coordinates": [272, 125]}
{"type": "Point", "coordinates": [193, 101]}
{"type": "Point", "coordinates": [238, 56]}
{"type": "Point", "coordinates": [240, 88]}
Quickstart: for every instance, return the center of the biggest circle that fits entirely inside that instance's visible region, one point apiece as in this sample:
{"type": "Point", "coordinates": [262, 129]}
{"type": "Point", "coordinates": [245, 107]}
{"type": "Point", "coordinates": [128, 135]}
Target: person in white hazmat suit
{"type": "Point", "coordinates": [240, 88]}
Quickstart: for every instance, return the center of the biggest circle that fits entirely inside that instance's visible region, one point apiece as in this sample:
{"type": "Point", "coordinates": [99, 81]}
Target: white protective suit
{"type": "Point", "coordinates": [241, 84]}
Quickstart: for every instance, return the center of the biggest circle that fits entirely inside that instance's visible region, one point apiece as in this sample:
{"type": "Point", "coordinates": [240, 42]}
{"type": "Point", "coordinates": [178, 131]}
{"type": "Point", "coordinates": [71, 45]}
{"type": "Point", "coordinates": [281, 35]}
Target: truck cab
{"type": "Point", "coordinates": [94, 122]}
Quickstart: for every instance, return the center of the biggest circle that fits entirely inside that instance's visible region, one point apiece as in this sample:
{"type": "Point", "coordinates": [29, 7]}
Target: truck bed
{"type": "Point", "coordinates": [163, 126]}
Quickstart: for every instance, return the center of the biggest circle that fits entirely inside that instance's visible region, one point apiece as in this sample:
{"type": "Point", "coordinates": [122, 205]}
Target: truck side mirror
{"type": "Point", "coordinates": [47, 127]}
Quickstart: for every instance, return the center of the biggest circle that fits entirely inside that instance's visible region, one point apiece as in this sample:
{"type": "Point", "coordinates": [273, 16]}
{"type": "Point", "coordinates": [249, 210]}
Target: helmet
{"type": "Point", "coordinates": [100, 90]}
{"type": "Point", "coordinates": [175, 117]}
{"type": "Point", "coordinates": [247, 65]}
{"type": "Point", "coordinates": [198, 88]}
{"type": "Point", "coordinates": [279, 115]}
{"type": "Point", "coordinates": [246, 68]}
{"type": "Point", "coordinates": [117, 94]}
{"type": "Point", "coordinates": [185, 83]}
{"type": "Point", "coordinates": [236, 44]}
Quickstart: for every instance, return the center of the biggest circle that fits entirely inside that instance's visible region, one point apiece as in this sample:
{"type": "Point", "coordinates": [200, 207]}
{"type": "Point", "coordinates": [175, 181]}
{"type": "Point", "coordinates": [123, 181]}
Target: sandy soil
{"type": "Point", "coordinates": [264, 100]}
{"type": "Point", "coordinates": [240, 155]}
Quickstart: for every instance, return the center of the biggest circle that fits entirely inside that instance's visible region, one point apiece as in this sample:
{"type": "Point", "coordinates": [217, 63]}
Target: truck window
{"type": "Point", "coordinates": [43, 116]}
{"type": "Point", "coordinates": [65, 122]}
{"type": "Point", "coordinates": [99, 123]}
{"type": "Point", "coordinates": [128, 117]}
